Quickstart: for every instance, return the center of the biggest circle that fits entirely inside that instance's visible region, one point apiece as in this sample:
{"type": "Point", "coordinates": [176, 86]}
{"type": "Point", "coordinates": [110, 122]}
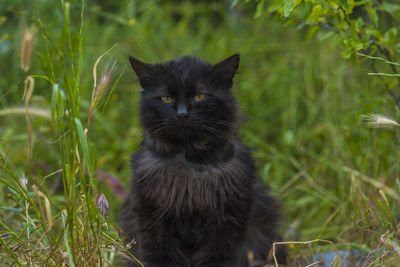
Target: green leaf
{"type": "Point", "coordinates": [54, 102]}
{"type": "Point", "coordinates": [274, 8]}
{"type": "Point", "coordinates": [312, 32]}
{"type": "Point", "coordinates": [259, 9]}
{"type": "Point", "coordinates": [390, 8]}
{"type": "Point", "coordinates": [348, 5]}
{"type": "Point", "coordinates": [304, 201]}
{"type": "Point", "coordinates": [359, 22]}
{"type": "Point", "coordinates": [353, 30]}
{"type": "Point", "coordinates": [11, 209]}
{"type": "Point", "coordinates": [265, 173]}
{"type": "Point", "coordinates": [84, 145]}
{"type": "Point", "coordinates": [354, 59]}
{"type": "Point", "coordinates": [70, 257]}
{"type": "Point", "coordinates": [390, 36]}
{"type": "Point", "coordinates": [234, 3]}
{"type": "Point", "coordinates": [373, 15]}
{"type": "Point", "coordinates": [305, 9]}
{"type": "Point", "coordinates": [316, 13]}
{"type": "Point", "coordinates": [357, 45]}
{"type": "Point", "coordinates": [289, 6]}
{"type": "Point", "coordinates": [57, 106]}
{"type": "Point", "coordinates": [13, 191]}
{"type": "Point", "coordinates": [347, 52]}
{"type": "Point", "coordinates": [325, 35]}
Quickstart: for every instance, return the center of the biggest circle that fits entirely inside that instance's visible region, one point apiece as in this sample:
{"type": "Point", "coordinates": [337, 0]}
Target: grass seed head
{"type": "Point", "coordinates": [26, 48]}
{"type": "Point", "coordinates": [104, 82]}
{"type": "Point", "coordinates": [105, 78]}
{"type": "Point", "coordinates": [377, 120]}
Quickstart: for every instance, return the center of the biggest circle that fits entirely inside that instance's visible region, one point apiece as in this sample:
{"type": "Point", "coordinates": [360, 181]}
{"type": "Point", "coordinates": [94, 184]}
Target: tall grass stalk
{"type": "Point", "coordinates": [68, 231]}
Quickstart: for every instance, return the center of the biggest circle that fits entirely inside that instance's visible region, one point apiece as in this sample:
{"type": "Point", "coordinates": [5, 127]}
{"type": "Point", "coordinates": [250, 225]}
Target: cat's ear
{"type": "Point", "coordinates": [141, 69]}
{"type": "Point", "coordinates": [224, 71]}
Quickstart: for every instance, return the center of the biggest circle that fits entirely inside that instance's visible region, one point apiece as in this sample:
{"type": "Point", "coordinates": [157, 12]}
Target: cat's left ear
{"type": "Point", "coordinates": [224, 71]}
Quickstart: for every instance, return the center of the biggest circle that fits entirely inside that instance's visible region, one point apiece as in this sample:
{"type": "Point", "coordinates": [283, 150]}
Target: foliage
{"type": "Point", "coordinates": [367, 30]}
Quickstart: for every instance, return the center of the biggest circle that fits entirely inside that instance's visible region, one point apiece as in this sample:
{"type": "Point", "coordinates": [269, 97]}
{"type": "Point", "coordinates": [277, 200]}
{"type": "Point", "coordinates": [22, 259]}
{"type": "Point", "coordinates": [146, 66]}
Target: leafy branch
{"type": "Point", "coordinates": [367, 28]}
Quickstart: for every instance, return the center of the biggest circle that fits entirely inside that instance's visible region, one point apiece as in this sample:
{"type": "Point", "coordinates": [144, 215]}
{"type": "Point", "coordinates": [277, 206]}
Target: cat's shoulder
{"type": "Point", "coordinates": [142, 156]}
{"type": "Point", "coordinates": [241, 149]}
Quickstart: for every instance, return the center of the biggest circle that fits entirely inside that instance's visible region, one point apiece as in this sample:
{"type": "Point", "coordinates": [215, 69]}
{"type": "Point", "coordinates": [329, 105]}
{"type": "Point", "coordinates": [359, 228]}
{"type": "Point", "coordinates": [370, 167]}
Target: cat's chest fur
{"type": "Point", "coordinates": [180, 186]}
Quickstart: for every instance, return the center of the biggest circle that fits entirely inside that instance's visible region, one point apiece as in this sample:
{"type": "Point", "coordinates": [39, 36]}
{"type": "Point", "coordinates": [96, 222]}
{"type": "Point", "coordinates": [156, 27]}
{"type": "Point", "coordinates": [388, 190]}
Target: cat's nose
{"type": "Point", "coordinates": [182, 111]}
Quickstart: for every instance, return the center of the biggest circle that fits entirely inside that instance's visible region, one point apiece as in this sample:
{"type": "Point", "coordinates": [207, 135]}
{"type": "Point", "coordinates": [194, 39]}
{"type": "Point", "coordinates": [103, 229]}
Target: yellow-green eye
{"type": "Point", "coordinates": [199, 97]}
{"type": "Point", "coordinates": [167, 99]}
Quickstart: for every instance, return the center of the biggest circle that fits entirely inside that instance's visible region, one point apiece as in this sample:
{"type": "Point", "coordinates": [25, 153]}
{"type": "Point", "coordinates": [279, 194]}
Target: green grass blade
{"type": "Point", "coordinates": [84, 145]}
{"type": "Point", "coordinates": [70, 257]}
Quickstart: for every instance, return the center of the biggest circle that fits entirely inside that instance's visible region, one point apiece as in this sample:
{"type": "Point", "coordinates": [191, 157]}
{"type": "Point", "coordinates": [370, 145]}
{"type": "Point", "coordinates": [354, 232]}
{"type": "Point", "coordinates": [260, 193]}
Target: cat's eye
{"type": "Point", "coordinates": [199, 97]}
{"type": "Point", "coordinates": [167, 99]}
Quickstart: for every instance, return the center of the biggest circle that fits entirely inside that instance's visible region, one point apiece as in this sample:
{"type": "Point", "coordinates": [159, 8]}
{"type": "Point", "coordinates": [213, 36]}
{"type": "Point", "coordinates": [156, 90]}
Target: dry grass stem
{"type": "Point", "coordinates": [43, 113]}
{"type": "Point", "coordinates": [39, 194]}
{"type": "Point", "coordinates": [28, 91]}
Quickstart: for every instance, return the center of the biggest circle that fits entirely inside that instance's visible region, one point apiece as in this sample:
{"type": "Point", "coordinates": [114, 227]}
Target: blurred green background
{"type": "Point", "coordinates": [301, 104]}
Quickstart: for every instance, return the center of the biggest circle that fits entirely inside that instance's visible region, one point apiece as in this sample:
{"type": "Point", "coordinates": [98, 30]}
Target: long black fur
{"type": "Point", "coordinates": [195, 199]}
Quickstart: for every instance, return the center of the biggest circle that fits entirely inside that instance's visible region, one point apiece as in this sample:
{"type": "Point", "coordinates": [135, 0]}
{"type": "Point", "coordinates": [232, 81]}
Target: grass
{"type": "Point", "coordinates": [67, 139]}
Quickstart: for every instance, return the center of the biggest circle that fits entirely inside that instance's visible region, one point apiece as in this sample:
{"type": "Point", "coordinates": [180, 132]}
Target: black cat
{"type": "Point", "coordinates": [195, 198]}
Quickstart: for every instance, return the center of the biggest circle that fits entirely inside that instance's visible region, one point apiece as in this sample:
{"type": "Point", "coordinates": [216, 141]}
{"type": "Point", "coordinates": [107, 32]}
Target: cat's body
{"type": "Point", "coordinates": [195, 199]}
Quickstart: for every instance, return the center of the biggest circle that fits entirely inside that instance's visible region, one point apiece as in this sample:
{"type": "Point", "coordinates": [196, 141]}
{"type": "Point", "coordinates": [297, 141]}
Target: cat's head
{"type": "Point", "coordinates": [187, 101]}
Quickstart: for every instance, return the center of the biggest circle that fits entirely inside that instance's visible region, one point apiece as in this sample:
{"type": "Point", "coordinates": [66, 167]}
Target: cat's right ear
{"type": "Point", "coordinates": [224, 71]}
{"type": "Point", "coordinates": [141, 69]}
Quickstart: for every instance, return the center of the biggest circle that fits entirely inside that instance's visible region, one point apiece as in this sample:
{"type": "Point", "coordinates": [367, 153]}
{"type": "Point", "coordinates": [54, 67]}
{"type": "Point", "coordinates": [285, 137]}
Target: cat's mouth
{"type": "Point", "coordinates": [185, 124]}
{"type": "Point", "coordinates": [185, 131]}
